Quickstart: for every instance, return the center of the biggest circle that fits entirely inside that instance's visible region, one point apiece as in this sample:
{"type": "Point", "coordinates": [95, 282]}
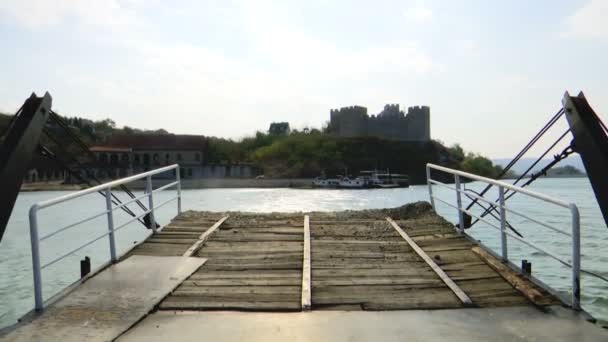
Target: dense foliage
{"type": "Point", "coordinates": [311, 152]}
{"type": "Point", "coordinates": [474, 163]}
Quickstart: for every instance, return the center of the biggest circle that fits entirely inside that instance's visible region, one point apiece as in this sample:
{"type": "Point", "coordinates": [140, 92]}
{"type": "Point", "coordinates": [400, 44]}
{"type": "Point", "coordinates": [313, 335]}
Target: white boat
{"type": "Point", "coordinates": [386, 179]}
{"type": "Point", "coordinates": [353, 183]}
{"type": "Point", "coordinates": [323, 182]}
{"type": "Point", "coordinates": [367, 179]}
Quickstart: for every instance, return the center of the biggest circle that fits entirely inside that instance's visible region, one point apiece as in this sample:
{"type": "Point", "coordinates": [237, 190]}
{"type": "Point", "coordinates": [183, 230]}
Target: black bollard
{"type": "Point", "coordinates": [85, 267]}
{"type": "Point", "coordinates": [526, 266]}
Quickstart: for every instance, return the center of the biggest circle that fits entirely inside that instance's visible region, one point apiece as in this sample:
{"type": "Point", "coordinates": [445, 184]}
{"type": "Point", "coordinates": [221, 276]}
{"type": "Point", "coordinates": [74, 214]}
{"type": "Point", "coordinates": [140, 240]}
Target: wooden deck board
{"type": "Point", "coordinates": [254, 264]}
{"type": "Point", "coordinates": [256, 261]}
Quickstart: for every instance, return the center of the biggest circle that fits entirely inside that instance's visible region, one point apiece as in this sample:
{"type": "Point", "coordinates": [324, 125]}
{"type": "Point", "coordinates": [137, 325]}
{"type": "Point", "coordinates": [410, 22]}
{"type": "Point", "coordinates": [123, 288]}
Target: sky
{"type": "Point", "coordinates": [493, 72]}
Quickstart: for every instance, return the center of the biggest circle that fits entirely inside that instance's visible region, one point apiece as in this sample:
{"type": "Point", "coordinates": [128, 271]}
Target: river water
{"type": "Point", "coordinates": [16, 289]}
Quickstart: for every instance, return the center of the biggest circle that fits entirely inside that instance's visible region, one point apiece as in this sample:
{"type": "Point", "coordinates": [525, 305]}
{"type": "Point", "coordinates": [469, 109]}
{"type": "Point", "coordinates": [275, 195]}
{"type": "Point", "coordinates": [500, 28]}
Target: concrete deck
{"type": "Point", "coordinates": [490, 324]}
{"type": "Point", "coordinates": [110, 302]}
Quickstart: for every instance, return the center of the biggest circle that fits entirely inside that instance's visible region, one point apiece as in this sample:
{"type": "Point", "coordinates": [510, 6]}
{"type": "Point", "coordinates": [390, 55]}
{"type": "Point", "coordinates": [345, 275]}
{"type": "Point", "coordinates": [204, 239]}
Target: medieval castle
{"type": "Point", "coordinates": [391, 123]}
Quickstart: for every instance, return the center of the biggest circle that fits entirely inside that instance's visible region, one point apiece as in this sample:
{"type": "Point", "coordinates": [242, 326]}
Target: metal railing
{"type": "Point", "coordinates": [106, 188]}
{"type": "Point", "coordinates": [575, 265]}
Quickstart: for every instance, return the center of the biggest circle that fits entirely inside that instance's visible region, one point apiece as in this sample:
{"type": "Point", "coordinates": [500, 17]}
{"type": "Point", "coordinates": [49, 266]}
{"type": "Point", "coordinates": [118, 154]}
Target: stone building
{"type": "Point", "coordinates": [124, 155]}
{"type": "Point", "coordinates": [44, 170]}
{"type": "Point", "coordinates": [391, 123]}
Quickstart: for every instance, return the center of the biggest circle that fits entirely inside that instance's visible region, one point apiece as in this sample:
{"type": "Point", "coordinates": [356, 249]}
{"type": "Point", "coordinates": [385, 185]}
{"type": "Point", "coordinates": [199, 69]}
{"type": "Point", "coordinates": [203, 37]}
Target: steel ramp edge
{"type": "Point", "coordinates": [110, 303]}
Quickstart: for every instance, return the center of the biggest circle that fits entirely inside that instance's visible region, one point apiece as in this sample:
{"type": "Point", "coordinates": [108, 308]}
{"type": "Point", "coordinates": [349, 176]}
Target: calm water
{"type": "Point", "coordinates": [16, 290]}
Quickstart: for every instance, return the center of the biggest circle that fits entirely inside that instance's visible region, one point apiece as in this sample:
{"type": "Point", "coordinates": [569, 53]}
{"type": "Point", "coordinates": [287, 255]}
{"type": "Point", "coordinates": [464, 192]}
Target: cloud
{"type": "Point", "coordinates": [301, 55]}
{"type": "Point", "coordinates": [419, 14]}
{"type": "Point", "coordinates": [270, 67]}
{"type": "Point", "coordinates": [40, 14]}
{"type": "Point", "coordinates": [588, 22]}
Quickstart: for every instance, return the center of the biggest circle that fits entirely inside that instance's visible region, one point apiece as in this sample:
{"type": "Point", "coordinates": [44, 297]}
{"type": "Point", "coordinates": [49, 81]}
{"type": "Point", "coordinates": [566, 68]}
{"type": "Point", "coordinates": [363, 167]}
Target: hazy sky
{"type": "Point", "coordinates": [492, 71]}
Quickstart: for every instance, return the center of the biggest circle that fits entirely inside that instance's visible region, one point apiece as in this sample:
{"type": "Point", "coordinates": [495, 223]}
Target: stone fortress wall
{"type": "Point", "coordinates": [391, 123]}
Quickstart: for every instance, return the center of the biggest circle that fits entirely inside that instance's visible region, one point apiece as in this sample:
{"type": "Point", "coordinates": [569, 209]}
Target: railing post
{"type": "Point", "coordinates": [503, 224]}
{"type": "Point", "coordinates": [179, 190]}
{"type": "Point", "coordinates": [39, 303]}
{"type": "Point", "coordinates": [576, 257]}
{"type": "Point", "coordinates": [430, 185]}
{"type": "Point", "coordinates": [150, 203]}
{"type": "Point", "coordinates": [111, 224]}
{"type": "Point", "coordinates": [459, 204]}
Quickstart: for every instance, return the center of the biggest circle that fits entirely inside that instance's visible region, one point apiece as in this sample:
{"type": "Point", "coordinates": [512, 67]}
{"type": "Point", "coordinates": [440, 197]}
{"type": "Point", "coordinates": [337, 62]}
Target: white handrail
{"type": "Point", "coordinates": [500, 183]}
{"type": "Point", "coordinates": [104, 186]}
{"type": "Point", "coordinates": [575, 218]}
{"type": "Point", "coordinates": [106, 189]}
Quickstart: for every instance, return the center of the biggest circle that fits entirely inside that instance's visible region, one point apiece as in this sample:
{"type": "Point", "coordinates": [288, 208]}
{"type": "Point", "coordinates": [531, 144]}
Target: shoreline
{"type": "Point", "coordinates": [206, 183]}
{"type": "Point", "coordinates": [201, 183]}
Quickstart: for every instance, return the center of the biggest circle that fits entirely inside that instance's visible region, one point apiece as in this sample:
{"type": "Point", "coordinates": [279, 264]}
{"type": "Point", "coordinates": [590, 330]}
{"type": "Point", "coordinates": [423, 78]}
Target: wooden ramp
{"type": "Point", "coordinates": [365, 264]}
{"type": "Point", "coordinates": [254, 263]}
{"type": "Point", "coordinates": [372, 260]}
{"type": "Point", "coordinates": [178, 236]}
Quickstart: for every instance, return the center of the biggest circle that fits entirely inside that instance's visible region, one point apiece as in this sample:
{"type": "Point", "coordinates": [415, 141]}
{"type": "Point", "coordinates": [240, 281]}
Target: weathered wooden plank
{"type": "Point", "coordinates": [187, 303]}
{"type": "Point", "coordinates": [244, 237]}
{"type": "Point", "coordinates": [359, 243]}
{"type": "Point", "coordinates": [409, 305]}
{"type": "Point", "coordinates": [404, 271]}
{"type": "Point", "coordinates": [246, 282]}
{"type": "Point", "coordinates": [192, 230]}
{"type": "Point", "coordinates": [198, 244]}
{"type": "Point", "coordinates": [381, 290]}
{"type": "Point", "coordinates": [251, 256]}
{"type": "Point", "coordinates": [279, 265]}
{"type": "Point", "coordinates": [306, 267]}
{"type": "Point", "coordinates": [350, 266]}
{"type": "Point", "coordinates": [440, 297]}
{"type": "Point", "coordinates": [517, 281]}
{"type": "Point", "coordinates": [357, 262]}
{"type": "Point", "coordinates": [216, 296]}
{"type": "Point", "coordinates": [253, 245]}
{"type": "Point", "coordinates": [294, 290]}
{"type": "Point", "coordinates": [171, 241]}
{"type": "Point", "coordinates": [446, 279]}
{"type": "Point", "coordinates": [376, 281]}
{"type": "Point", "coordinates": [203, 274]}
{"type": "Point", "coordinates": [258, 266]}
{"type": "Point", "coordinates": [339, 307]}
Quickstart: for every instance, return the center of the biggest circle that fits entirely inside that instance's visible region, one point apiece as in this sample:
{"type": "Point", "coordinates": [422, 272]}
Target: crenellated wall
{"type": "Point", "coordinates": [391, 123]}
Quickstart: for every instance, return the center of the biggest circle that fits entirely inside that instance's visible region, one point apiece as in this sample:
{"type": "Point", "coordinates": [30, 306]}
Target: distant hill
{"type": "Point", "coordinates": [524, 163]}
{"type": "Point", "coordinates": [4, 120]}
{"type": "Point", "coordinates": [565, 171]}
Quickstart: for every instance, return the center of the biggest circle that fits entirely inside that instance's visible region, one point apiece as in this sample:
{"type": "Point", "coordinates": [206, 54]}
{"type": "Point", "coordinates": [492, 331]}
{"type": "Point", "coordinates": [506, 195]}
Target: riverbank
{"type": "Point", "coordinates": [204, 183]}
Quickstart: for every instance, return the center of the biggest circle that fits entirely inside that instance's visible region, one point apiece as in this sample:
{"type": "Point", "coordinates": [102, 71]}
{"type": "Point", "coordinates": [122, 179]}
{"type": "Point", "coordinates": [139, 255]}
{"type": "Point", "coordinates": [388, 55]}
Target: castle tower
{"type": "Point", "coordinates": [391, 123]}
{"type": "Point", "coordinates": [419, 128]}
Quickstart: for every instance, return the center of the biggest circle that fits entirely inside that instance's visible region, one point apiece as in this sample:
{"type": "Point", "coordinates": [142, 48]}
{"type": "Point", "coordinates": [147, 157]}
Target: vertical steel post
{"type": "Point", "coordinates": [576, 257]}
{"type": "Point", "coordinates": [179, 190]}
{"type": "Point", "coordinates": [150, 203]}
{"type": "Point", "coordinates": [459, 204]}
{"type": "Point", "coordinates": [111, 224]}
{"type": "Point", "coordinates": [39, 303]}
{"type": "Point", "coordinates": [503, 224]}
{"type": "Point", "coordinates": [428, 182]}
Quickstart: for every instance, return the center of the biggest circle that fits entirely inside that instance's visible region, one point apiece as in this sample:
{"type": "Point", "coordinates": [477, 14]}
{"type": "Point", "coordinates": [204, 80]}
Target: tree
{"type": "Point", "coordinates": [479, 165]}
{"type": "Point", "coordinates": [456, 152]}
